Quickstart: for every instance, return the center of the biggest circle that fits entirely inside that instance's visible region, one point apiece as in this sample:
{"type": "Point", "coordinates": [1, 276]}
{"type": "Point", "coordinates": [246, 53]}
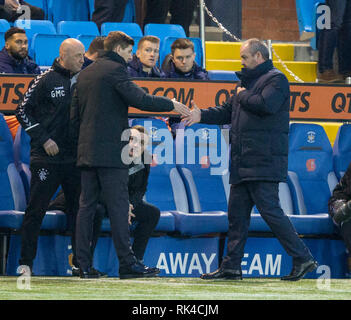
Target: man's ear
{"type": "Point", "coordinates": [137, 53]}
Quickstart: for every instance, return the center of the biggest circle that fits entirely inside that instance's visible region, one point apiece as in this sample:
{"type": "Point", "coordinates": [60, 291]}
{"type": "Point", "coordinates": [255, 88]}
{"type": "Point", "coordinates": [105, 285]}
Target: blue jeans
{"type": "Point", "coordinates": [333, 38]}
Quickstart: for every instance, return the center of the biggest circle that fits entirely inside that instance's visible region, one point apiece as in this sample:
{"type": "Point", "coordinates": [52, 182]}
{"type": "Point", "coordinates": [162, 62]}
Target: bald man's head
{"type": "Point", "coordinates": [72, 55]}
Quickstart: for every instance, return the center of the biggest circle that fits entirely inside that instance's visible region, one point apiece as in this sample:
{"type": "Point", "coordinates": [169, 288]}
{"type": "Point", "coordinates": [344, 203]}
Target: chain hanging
{"type": "Point", "coordinates": [226, 31]}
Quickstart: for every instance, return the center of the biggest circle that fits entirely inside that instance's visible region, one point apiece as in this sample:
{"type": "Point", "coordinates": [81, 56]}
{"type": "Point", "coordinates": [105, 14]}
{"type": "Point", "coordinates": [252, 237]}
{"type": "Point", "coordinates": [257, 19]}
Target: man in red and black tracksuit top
{"type": "Point", "coordinates": [44, 114]}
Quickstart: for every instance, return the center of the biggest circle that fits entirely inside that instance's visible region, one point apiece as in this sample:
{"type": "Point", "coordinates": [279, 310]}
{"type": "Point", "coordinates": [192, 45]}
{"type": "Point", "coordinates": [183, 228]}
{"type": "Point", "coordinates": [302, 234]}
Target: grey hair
{"type": "Point", "coordinates": [255, 46]}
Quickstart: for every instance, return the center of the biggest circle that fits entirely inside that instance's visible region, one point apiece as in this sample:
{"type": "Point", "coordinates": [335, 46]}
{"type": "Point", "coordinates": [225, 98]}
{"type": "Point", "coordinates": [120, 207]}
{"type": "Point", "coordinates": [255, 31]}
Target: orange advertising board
{"type": "Point", "coordinates": [308, 101]}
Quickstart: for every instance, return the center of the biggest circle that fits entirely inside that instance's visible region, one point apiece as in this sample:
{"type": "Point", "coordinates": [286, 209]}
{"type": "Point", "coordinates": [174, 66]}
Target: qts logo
{"type": "Point", "coordinates": [311, 165]}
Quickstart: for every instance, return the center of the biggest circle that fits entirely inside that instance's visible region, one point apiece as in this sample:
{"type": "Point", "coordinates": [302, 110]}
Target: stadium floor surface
{"type": "Point", "coordinates": [68, 288]}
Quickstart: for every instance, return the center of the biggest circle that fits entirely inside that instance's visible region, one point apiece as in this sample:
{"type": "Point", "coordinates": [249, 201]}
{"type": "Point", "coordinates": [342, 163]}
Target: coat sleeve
{"type": "Point", "coordinates": [218, 115]}
{"type": "Point", "coordinates": [342, 189]}
{"type": "Point", "coordinates": [136, 97]}
{"type": "Point", "coordinates": [74, 118]}
{"type": "Point", "coordinates": [27, 108]}
{"type": "Point", "coordinates": [269, 100]}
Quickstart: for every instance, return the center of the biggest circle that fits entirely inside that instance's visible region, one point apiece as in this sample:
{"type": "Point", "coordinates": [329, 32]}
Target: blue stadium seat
{"type": "Point", "coordinates": [2, 40]}
{"type": "Point", "coordinates": [45, 48]}
{"type": "Point", "coordinates": [91, 8]}
{"type": "Point", "coordinates": [21, 148]}
{"type": "Point", "coordinates": [73, 10]}
{"type": "Point", "coordinates": [41, 4]}
{"type": "Point", "coordinates": [33, 27]}
{"type": "Point", "coordinates": [86, 40]}
{"type": "Point", "coordinates": [166, 43]}
{"type": "Point", "coordinates": [4, 25]}
{"type": "Point", "coordinates": [198, 148]}
{"type": "Point", "coordinates": [12, 196]}
{"type": "Point", "coordinates": [311, 174]}
{"type": "Point", "coordinates": [342, 150]}
{"type": "Point", "coordinates": [76, 28]}
{"type": "Point", "coordinates": [164, 30]}
{"type": "Point", "coordinates": [130, 28]}
{"type": "Point", "coordinates": [129, 12]}
{"type": "Point", "coordinates": [223, 75]}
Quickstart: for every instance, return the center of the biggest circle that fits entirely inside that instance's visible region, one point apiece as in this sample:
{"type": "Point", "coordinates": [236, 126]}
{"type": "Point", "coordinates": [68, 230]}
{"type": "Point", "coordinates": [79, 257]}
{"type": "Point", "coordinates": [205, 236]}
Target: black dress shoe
{"type": "Point", "coordinates": [299, 271]}
{"type": "Point", "coordinates": [137, 270]}
{"type": "Point", "coordinates": [154, 269]}
{"type": "Point", "coordinates": [224, 274]}
{"type": "Point", "coordinates": [89, 273]}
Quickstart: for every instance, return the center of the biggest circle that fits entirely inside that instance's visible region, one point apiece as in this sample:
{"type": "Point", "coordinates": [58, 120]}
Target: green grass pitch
{"type": "Point", "coordinates": [162, 288]}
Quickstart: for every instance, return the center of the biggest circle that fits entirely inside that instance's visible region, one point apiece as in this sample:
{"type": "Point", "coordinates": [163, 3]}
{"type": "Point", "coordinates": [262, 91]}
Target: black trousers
{"type": "Point", "coordinates": [345, 227]}
{"type": "Point", "coordinates": [113, 184]}
{"type": "Point", "coordinates": [108, 11]}
{"type": "Point", "coordinates": [242, 198]}
{"type": "Point", "coordinates": [36, 13]}
{"type": "Point", "coordinates": [143, 225]}
{"type": "Point", "coordinates": [182, 12]}
{"type": "Point", "coordinates": [45, 180]}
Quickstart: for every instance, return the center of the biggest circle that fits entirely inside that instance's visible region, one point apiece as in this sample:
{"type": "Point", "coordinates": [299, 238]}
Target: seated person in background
{"type": "Point", "coordinates": [181, 62]}
{"type": "Point", "coordinates": [14, 56]}
{"type": "Point", "coordinates": [142, 215]}
{"type": "Point", "coordinates": [91, 55]}
{"type": "Point", "coordinates": [11, 10]}
{"type": "Point", "coordinates": [340, 210]}
{"type": "Point", "coordinates": [144, 61]}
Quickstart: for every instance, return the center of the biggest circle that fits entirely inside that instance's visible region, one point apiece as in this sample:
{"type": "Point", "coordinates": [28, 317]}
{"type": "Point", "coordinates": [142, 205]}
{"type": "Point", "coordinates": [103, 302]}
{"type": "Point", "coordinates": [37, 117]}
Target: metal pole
{"type": "Point", "coordinates": [202, 32]}
{"type": "Point", "coordinates": [269, 45]}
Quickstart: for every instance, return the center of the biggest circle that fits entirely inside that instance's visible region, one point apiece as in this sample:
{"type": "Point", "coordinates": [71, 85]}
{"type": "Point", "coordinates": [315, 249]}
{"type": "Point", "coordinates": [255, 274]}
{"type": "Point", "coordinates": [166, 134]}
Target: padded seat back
{"type": "Point", "coordinates": [342, 150]}
{"type": "Point", "coordinates": [310, 170]}
{"type": "Point", "coordinates": [12, 196]}
{"type": "Point", "coordinates": [202, 159]}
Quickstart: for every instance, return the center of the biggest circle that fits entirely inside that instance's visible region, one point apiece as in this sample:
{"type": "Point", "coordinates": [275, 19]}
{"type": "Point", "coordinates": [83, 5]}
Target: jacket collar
{"type": "Point", "coordinates": [14, 62]}
{"type": "Point", "coordinates": [112, 56]}
{"type": "Point", "coordinates": [58, 68]}
{"type": "Point", "coordinates": [256, 72]}
{"type": "Point", "coordinates": [138, 67]}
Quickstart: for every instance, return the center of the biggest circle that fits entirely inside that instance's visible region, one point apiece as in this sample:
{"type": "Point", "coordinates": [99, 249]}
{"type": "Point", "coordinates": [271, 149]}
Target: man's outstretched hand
{"type": "Point", "coordinates": [181, 108]}
{"type": "Point", "coordinates": [194, 117]}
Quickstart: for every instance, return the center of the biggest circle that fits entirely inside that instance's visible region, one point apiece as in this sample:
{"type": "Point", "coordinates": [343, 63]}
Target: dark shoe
{"type": "Point", "coordinates": [137, 270]}
{"type": "Point", "coordinates": [75, 271]}
{"type": "Point", "coordinates": [89, 273]}
{"type": "Point", "coordinates": [329, 76]}
{"type": "Point", "coordinates": [99, 273]}
{"type": "Point", "coordinates": [226, 274]}
{"type": "Point", "coordinates": [299, 271]}
{"type": "Point", "coordinates": [154, 269]}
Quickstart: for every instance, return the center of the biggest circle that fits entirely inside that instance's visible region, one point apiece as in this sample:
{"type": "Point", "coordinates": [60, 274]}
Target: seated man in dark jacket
{"type": "Point", "coordinates": [143, 216]}
{"type": "Point", "coordinates": [14, 56]}
{"type": "Point", "coordinates": [181, 62]}
{"type": "Point", "coordinates": [340, 210]}
{"type": "Point", "coordinates": [144, 61]}
{"type": "Point", "coordinates": [93, 52]}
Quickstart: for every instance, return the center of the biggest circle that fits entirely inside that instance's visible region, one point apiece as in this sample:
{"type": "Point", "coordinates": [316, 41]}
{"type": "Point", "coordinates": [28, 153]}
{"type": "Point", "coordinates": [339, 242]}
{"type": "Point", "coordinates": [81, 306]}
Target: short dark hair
{"type": "Point", "coordinates": [96, 45]}
{"type": "Point", "coordinates": [152, 39]}
{"type": "Point", "coordinates": [255, 45]}
{"type": "Point", "coordinates": [10, 32]}
{"type": "Point", "coordinates": [141, 129]}
{"type": "Point", "coordinates": [182, 43]}
{"type": "Point", "coordinates": [117, 38]}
